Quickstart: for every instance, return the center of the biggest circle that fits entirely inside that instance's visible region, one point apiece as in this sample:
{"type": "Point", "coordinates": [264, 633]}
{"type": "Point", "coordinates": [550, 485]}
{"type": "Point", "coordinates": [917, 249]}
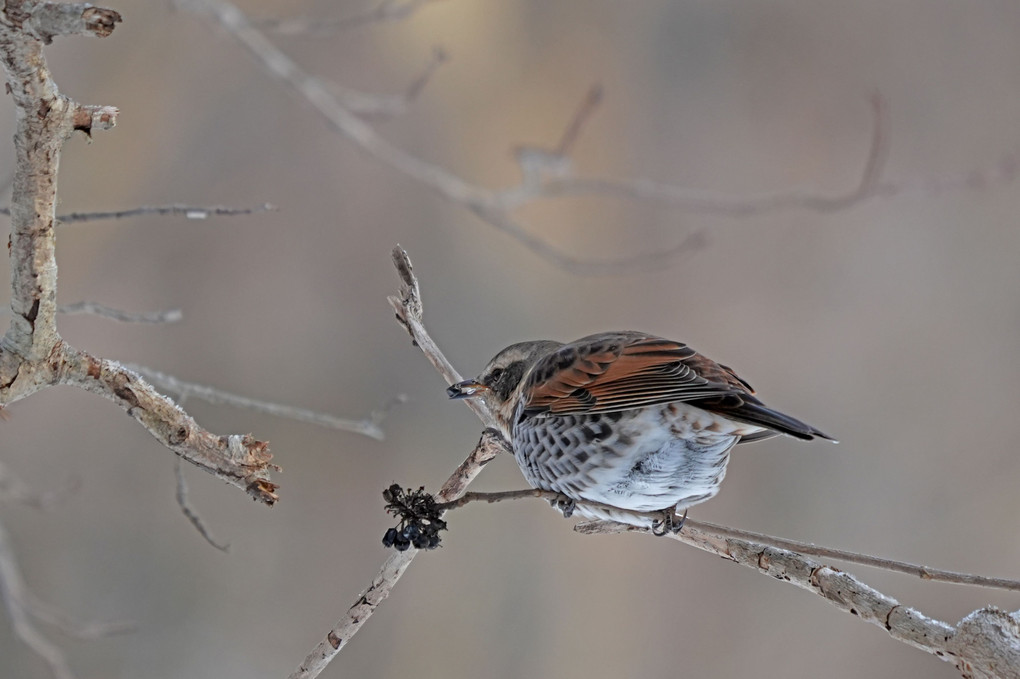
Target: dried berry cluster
{"type": "Point", "coordinates": [420, 519]}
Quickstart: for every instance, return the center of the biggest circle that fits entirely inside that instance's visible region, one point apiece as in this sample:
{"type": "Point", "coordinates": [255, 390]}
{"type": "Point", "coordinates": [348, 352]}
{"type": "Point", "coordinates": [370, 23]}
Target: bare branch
{"type": "Point", "coordinates": [96, 309]}
{"type": "Point", "coordinates": [392, 569]}
{"type": "Point", "coordinates": [808, 549]}
{"type": "Point", "coordinates": [368, 426]}
{"type": "Point", "coordinates": [12, 593]}
{"type": "Point", "coordinates": [190, 513]}
{"type": "Point", "coordinates": [384, 106]}
{"type": "Point", "coordinates": [548, 174]}
{"type": "Point", "coordinates": [385, 11]}
{"type": "Point", "coordinates": [490, 206]}
{"type": "Point", "coordinates": [584, 113]}
{"type": "Point", "coordinates": [408, 308]}
{"type": "Point", "coordinates": [46, 119]}
{"type": "Point", "coordinates": [46, 20]}
{"type": "Point", "coordinates": [984, 644]}
{"type": "Point", "coordinates": [690, 200]}
{"type": "Point", "coordinates": [802, 548]}
{"type": "Point", "coordinates": [32, 354]}
{"type": "Point", "coordinates": [103, 311]}
{"type": "Point", "coordinates": [241, 461]}
{"type": "Point", "coordinates": [177, 210]}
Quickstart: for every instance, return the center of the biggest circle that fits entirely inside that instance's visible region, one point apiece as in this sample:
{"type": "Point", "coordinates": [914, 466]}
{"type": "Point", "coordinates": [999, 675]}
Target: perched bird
{"type": "Point", "coordinates": [632, 422]}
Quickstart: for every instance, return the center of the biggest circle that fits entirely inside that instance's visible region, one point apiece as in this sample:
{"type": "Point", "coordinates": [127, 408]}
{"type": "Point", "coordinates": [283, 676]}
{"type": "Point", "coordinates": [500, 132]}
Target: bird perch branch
{"type": "Point", "coordinates": [984, 644]}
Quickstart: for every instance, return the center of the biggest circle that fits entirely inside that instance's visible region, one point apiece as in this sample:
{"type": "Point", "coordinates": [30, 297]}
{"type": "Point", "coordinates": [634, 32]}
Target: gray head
{"type": "Point", "coordinates": [499, 382]}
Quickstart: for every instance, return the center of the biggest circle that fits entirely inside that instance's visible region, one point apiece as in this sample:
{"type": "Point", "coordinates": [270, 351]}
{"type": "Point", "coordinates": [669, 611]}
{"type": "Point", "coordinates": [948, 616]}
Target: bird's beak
{"type": "Point", "coordinates": [466, 389]}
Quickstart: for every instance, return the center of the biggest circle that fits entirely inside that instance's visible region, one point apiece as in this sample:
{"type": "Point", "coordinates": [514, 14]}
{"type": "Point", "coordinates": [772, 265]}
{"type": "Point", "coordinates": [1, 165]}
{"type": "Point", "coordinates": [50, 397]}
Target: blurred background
{"type": "Point", "coordinates": [892, 324]}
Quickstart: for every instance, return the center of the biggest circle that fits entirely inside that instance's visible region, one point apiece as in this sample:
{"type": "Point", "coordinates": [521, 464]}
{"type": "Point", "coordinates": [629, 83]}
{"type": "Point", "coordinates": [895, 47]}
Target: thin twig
{"type": "Point", "coordinates": [409, 311]}
{"type": "Point", "coordinates": [189, 511]}
{"type": "Point", "coordinates": [803, 548]}
{"type": "Point", "coordinates": [96, 309]}
{"type": "Point", "coordinates": [384, 106]}
{"type": "Point", "coordinates": [385, 11]}
{"type": "Point", "coordinates": [176, 210]}
{"type": "Point", "coordinates": [188, 211]}
{"type": "Point", "coordinates": [368, 426]}
{"type": "Point", "coordinates": [584, 112]}
{"type": "Point", "coordinates": [103, 311]}
{"type": "Point", "coordinates": [493, 207]}
{"type": "Point", "coordinates": [496, 207]}
{"type": "Point", "coordinates": [12, 594]}
{"type": "Point", "coordinates": [691, 200]}
{"type": "Point", "coordinates": [390, 572]}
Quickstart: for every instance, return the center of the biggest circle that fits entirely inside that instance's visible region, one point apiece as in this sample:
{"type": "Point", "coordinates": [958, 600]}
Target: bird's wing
{"type": "Point", "coordinates": [619, 371]}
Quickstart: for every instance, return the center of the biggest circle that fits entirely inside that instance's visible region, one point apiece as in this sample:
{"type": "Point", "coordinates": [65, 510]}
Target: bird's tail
{"type": "Point", "coordinates": [763, 416]}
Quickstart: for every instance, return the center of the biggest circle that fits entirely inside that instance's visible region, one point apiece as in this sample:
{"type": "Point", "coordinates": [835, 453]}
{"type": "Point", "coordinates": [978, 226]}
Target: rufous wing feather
{"type": "Point", "coordinates": [620, 371]}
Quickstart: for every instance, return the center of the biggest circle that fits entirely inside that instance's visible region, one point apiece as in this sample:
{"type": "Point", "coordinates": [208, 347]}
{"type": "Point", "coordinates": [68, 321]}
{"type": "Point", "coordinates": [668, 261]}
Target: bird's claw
{"type": "Point", "coordinates": [670, 524]}
{"type": "Point", "coordinates": [564, 504]}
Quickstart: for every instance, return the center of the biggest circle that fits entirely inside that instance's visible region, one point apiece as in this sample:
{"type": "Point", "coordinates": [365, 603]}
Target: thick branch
{"type": "Point", "coordinates": [45, 120]}
{"type": "Point", "coordinates": [46, 20]}
{"type": "Point", "coordinates": [241, 461]}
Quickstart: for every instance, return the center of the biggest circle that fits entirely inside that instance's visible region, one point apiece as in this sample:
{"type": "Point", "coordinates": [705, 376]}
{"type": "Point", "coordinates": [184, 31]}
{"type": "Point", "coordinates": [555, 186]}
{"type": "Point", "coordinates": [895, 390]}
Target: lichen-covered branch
{"type": "Point", "coordinates": [240, 460]}
{"type": "Point", "coordinates": [32, 354]}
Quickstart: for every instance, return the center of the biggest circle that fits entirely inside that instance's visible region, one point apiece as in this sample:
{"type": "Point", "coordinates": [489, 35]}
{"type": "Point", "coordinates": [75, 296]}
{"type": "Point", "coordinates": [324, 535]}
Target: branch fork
{"type": "Point", "coordinates": [32, 354]}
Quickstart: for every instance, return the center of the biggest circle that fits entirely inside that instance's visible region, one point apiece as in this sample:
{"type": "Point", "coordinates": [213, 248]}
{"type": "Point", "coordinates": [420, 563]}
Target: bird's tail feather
{"type": "Point", "coordinates": [753, 413]}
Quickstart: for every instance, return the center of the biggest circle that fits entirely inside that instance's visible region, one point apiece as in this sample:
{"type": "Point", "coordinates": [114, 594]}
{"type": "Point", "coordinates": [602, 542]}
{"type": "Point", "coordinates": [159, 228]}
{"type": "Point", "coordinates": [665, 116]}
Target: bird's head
{"type": "Point", "coordinates": [499, 385]}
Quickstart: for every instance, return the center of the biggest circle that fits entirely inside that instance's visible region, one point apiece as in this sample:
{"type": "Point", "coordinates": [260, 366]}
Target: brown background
{"type": "Point", "coordinates": [892, 325]}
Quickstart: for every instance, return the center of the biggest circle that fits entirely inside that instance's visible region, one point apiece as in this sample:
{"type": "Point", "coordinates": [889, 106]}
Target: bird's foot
{"type": "Point", "coordinates": [670, 524]}
{"type": "Point", "coordinates": [564, 504]}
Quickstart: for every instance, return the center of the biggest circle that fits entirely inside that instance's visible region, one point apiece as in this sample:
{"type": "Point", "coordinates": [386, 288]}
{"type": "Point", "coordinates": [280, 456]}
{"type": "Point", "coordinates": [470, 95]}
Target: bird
{"type": "Point", "coordinates": [624, 426]}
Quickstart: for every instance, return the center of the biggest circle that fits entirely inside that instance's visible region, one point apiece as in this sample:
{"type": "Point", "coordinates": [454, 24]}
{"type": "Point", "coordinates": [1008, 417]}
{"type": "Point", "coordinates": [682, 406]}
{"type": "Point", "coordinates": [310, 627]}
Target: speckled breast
{"type": "Point", "coordinates": [642, 460]}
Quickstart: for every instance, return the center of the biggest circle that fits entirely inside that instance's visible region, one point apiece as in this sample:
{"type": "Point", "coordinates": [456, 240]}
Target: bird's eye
{"type": "Point", "coordinates": [495, 375]}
